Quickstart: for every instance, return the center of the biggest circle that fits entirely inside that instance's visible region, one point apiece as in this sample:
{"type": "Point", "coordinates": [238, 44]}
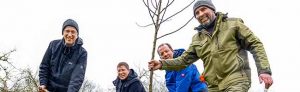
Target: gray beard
{"type": "Point", "coordinates": [210, 22]}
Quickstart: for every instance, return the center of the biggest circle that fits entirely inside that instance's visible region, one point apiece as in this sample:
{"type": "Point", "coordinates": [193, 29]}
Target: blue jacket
{"type": "Point", "coordinates": [185, 80]}
{"type": "Point", "coordinates": [131, 84]}
{"type": "Point", "coordinates": [63, 68]}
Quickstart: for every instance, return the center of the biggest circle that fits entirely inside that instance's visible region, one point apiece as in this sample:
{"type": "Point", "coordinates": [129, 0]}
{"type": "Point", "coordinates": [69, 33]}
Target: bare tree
{"type": "Point", "coordinates": [157, 10]}
{"type": "Point", "coordinates": [143, 75]}
{"type": "Point", "coordinates": [6, 69]}
{"type": "Point", "coordinates": [27, 81]}
{"type": "Point", "coordinates": [16, 80]}
{"type": "Point", "coordinates": [89, 86]}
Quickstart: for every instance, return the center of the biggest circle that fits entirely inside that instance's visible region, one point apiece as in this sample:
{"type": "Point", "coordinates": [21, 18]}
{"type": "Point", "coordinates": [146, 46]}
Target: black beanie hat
{"type": "Point", "coordinates": [70, 22]}
{"type": "Point", "coordinates": [206, 3]}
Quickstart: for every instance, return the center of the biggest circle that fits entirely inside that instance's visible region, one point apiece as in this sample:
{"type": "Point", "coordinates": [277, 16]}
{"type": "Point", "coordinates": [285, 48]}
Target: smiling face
{"type": "Point", "coordinates": [204, 15]}
{"type": "Point", "coordinates": [165, 52]}
{"type": "Point", "coordinates": [122, 72]}
{"type": "Point", "coordinates": [70, 35]}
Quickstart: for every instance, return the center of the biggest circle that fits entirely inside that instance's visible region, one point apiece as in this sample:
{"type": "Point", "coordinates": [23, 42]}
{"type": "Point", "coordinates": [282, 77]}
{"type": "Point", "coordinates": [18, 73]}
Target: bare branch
{"type": "Point", "coordinates": [146, 25]}
{"type": "Point", "coordinates": [150, 11]}
{"type": "Point", "coordinates": [144, 73]}
{"type": "Point", "coordinates": [177, 29]}
{"type": "Point", "coordinates": [5, 56]}
{"type": "Point", "coordinates": [154, 5]}
{"type": "Point", "coordinates": [143, 25]}
{"type": "Point", "coordinates": [168, 4]}
{"type": "Point", "coordinates": [148, 7]}
{"type": "Point", "coordinates": [12, 65]}
{"type": "Point", "coordinates": [157, 23]}
{"type": "Point", "coordinates": [16, 83]}
{"type": "Point", "coordinates": [31, 77]}
{"type": "Point", "coordinates": [152, 17]}
{"type": "Point", "coordinates": [179, 11]}
{"type": "Point", "coordinates": [164, 12]}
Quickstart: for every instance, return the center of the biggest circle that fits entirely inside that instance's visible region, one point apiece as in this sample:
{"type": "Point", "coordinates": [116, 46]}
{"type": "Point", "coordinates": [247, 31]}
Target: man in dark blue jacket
{"type": "Point", "coordinates": [127, 80]}
{"type": "Point", "coordinates": [185, 80]}
{"type": "Point", "coordinates": [63, 66]}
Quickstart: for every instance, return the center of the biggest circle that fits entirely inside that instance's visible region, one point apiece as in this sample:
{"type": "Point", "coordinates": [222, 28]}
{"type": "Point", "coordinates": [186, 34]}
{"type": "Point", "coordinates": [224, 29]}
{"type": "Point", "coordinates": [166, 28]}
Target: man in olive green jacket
{"type": "Point", "coordinates": [222, 44]}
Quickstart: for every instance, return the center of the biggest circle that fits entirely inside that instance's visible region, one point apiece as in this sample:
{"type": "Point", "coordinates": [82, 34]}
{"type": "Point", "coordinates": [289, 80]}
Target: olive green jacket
{"type": "Point", "coordinates": [224, 53]}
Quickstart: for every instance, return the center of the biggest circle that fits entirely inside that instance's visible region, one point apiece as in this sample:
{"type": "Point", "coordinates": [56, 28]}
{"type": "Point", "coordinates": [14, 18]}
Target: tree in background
{"type": "Point", "coordinates": [14, 79]}
{"type": "Point", "coordinates": [27, 81]}
{"type": "Point", "coordinates": [6, 71]}
{"type": "Point", "coordinates": [143, 75]}
{"type": "Point", "coordinates": [89, 86]}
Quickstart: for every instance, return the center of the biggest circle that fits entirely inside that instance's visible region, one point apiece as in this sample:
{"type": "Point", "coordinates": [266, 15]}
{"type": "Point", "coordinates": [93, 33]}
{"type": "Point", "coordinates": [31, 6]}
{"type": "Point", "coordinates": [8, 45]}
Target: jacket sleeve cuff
{"type": "Point", "coordinates": [265, 72]}
{"type": "Point", "coordinates": [163, 63]}
{"type": "Point", "coordinates": [45, 84]}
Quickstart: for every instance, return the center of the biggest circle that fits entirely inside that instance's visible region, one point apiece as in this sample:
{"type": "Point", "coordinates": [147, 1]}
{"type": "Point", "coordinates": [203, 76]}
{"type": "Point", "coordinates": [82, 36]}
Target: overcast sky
{"type": "Point", "coordinates": [110, 34]}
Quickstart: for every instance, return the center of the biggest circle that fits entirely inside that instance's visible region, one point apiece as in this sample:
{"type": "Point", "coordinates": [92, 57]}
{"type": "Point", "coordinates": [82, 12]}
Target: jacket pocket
{"type": "Point", "coordinates": [52, 64]}
{"type": "Point", "coordinates": [199, 46]}
{"type": "Point", "coordinates": [241, 64]}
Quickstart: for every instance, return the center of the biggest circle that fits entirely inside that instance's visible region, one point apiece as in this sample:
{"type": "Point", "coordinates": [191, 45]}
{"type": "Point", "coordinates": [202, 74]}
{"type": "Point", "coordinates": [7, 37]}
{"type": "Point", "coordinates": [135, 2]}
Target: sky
{"type": "Point", "coordinates": [111, 35]}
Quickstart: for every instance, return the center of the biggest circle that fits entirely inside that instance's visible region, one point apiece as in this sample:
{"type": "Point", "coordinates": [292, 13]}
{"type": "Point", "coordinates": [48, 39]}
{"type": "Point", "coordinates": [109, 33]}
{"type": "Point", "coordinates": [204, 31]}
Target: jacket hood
{"type": "Point", "coordinates": [79, 41]}
{"type": "Point", "coordinates": [132, 74]}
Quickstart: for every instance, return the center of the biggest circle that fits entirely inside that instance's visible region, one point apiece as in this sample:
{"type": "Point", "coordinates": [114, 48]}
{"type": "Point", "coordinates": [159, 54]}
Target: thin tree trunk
{"type": "Point", "coordinates": [157, 25]}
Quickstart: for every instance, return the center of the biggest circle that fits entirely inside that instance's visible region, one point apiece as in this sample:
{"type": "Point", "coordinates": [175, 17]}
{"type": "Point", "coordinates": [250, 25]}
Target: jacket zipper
{"type": "Point", "coordinates": [217, 25]}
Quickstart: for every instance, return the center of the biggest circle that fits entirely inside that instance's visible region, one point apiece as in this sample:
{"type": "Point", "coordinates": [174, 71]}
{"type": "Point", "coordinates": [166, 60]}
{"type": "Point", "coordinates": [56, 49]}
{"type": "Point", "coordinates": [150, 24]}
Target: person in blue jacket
{"type": "Point", "coordinates": [64, 63]}
{"type": "Point", "coordinates": [185, 80]}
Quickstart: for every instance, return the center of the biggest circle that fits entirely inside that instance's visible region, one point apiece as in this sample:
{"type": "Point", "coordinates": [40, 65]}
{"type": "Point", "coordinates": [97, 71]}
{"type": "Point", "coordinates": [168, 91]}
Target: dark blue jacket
{"type": "Point", "coordinates": [185, 80]}
{"type": "Point", "coordinates": [63, 68]}
{"type": "Point", "coordinates": [131, 84]}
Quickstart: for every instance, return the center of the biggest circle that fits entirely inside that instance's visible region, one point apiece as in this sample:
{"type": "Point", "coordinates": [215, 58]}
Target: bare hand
{"type": "Point", "coordinates": [42, 88]}
{"type": "Point", "coordinates": [154, 65]}
{"type": "Point", "coordinates": [267, 79]}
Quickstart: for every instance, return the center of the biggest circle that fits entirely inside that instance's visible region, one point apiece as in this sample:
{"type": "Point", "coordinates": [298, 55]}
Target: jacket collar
{"type": "Point", "coordinates": [68, 50]}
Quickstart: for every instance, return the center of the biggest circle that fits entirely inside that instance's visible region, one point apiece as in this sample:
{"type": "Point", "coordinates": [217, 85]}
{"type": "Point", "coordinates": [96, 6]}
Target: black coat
{"type": "Point", "coordinates": [63, 68]}
{"type": "Point", "coordinates": [131, 84]}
